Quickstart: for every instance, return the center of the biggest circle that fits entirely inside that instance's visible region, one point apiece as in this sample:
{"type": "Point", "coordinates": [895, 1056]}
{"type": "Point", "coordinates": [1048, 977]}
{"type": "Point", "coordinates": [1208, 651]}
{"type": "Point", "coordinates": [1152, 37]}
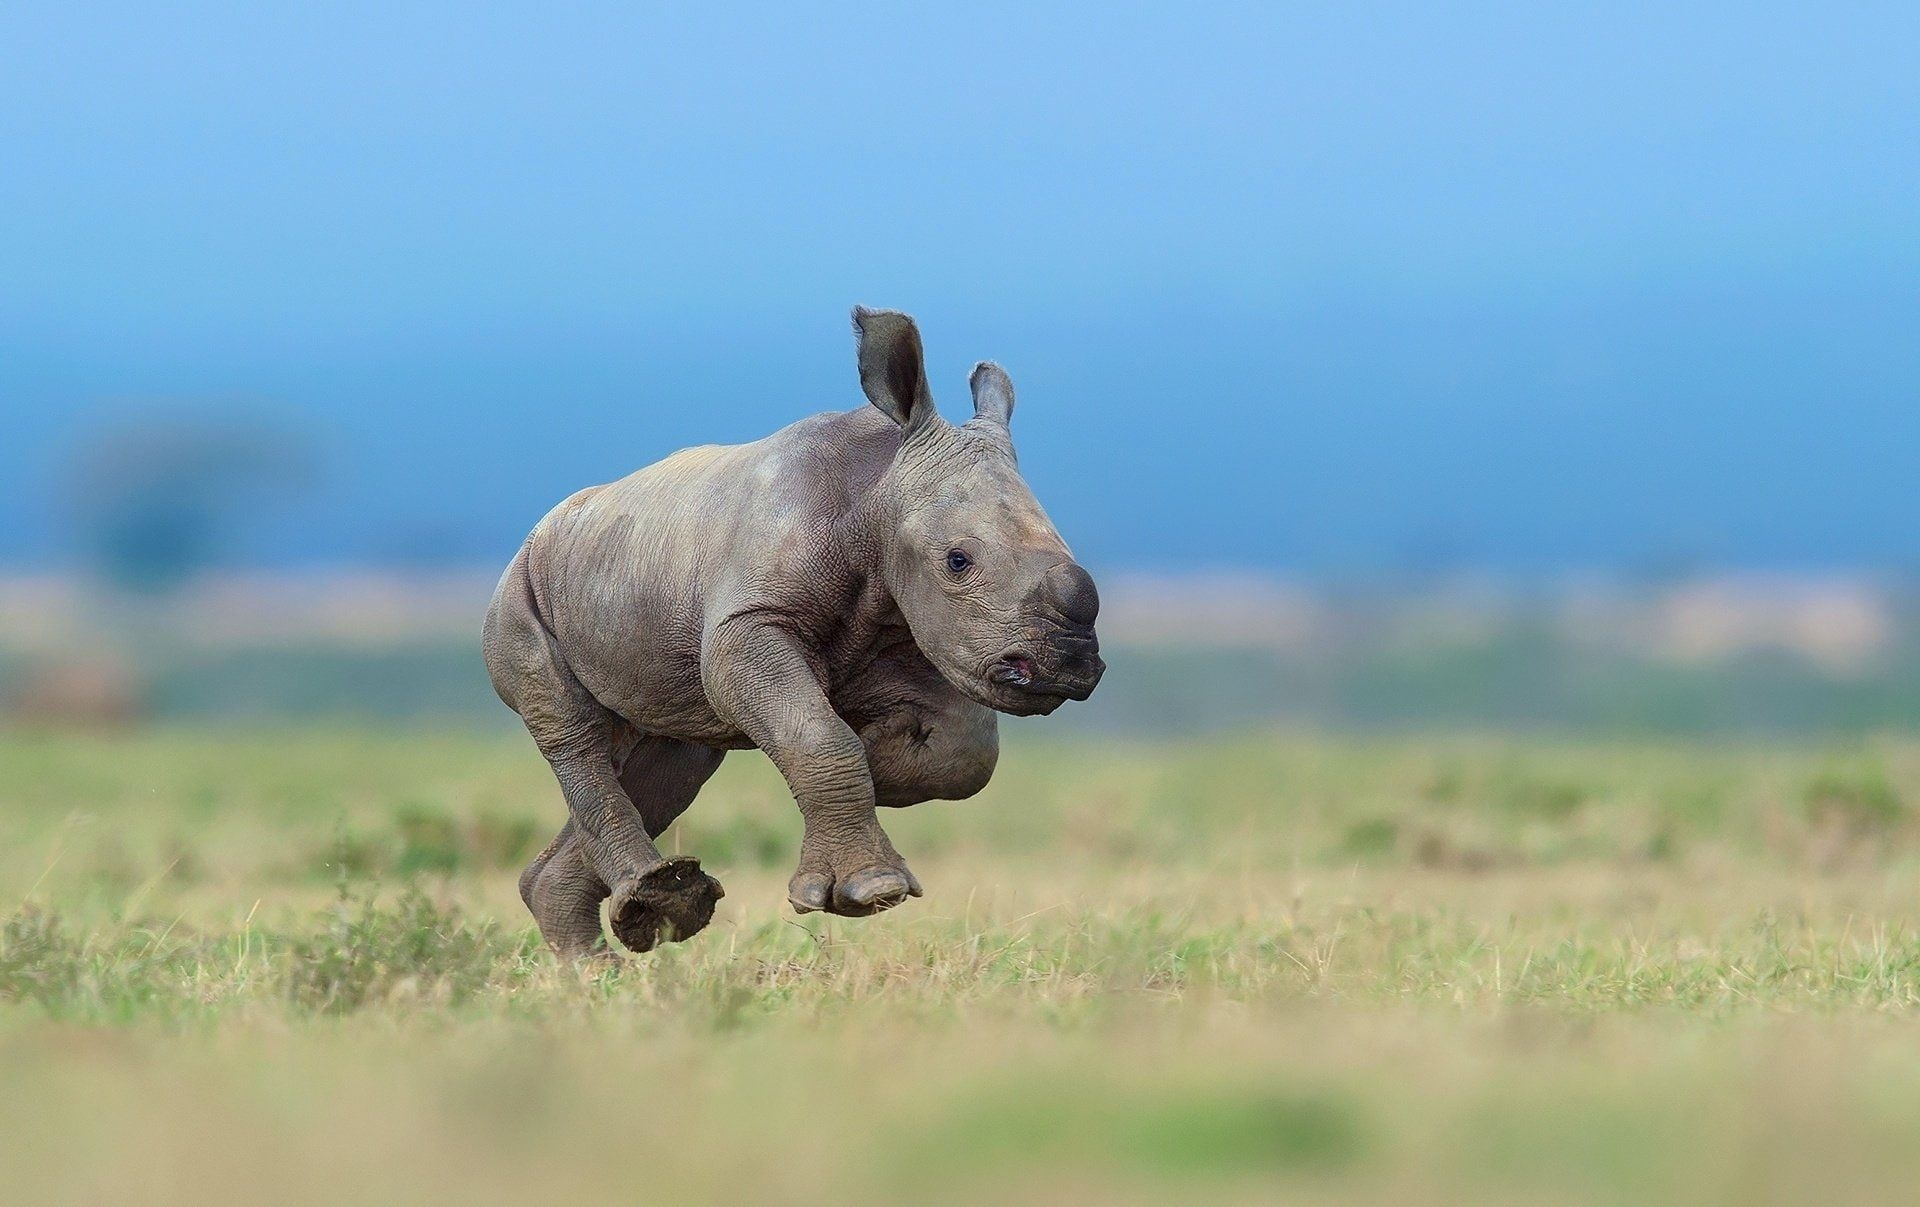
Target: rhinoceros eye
{"type": "Point", "coordinates": [958, 561]}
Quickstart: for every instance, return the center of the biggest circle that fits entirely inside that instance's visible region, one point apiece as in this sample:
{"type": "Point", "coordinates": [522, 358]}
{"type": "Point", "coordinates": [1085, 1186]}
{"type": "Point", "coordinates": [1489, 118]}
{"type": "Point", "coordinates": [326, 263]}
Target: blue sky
{"type": "Point", "coordinates": [1338, 288]}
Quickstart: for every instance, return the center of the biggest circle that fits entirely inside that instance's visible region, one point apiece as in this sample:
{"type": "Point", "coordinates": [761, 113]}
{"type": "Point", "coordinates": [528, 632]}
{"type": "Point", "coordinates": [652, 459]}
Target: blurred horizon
{"type": "Point", "coordinates": [1744, 656]}
{"type": "Point", "coordinates": [1358, 294]}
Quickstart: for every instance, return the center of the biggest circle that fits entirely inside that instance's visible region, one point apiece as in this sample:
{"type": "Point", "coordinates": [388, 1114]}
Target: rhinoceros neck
{"type": "Point", "coordinates": [868, 538]}
{"type": "Point", "coordinates": [849, 609]}
{"type": "Point", "coordinates": [851, 599]}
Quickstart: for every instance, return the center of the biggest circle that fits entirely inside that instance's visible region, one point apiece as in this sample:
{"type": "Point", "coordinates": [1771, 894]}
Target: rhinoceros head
{"type": "Point", "coordinates": [990, 591]}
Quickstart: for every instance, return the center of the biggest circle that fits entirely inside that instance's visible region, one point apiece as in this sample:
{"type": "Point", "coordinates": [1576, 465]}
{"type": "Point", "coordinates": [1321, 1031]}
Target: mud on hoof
{"type": "Point", "coordinates": [674, 901]}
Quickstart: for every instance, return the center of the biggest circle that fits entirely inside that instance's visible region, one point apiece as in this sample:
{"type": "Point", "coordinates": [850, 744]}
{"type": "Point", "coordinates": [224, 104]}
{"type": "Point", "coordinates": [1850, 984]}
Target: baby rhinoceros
{"type": "Point", "coordinates": [856, 595]}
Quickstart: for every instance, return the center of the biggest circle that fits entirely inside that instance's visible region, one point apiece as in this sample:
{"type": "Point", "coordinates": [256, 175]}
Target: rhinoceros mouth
{"type": "Point", "coordinates": [1026, 685]}
{"type": "Point", "coordinates": [1014, 670]}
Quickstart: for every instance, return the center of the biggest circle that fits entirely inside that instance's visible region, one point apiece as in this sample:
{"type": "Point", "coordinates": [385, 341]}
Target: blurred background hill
{"type": "Point", "coordinates": [1811, 657]}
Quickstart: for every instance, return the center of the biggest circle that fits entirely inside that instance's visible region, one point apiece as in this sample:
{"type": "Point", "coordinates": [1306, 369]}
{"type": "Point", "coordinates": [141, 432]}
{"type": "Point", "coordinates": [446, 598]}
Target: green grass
{"type": "Point", "coordinates": [292, 965]}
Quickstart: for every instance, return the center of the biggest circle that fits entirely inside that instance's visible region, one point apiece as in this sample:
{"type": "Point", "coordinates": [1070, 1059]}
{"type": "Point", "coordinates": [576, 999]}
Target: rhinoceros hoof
{"type": "Point", "coordinates": [859, 895]}
{"type": "Point", "coordinates": [671, 902]}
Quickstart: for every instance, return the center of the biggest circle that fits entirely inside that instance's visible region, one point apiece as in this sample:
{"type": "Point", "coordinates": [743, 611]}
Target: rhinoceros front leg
{"type": "Point", "coordinates": [757, 677]}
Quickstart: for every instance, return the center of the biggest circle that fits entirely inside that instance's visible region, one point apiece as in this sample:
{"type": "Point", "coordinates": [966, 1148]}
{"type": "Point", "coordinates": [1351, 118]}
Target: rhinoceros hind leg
{"type": "Point", "coordinates": [673, 901]}
{"type": "Point", "coordinates": [563, 893]}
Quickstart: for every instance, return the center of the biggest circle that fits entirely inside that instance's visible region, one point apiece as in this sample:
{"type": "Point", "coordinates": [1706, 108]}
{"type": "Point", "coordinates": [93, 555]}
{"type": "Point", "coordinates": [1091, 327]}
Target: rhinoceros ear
{"type": "Point", "coordinates": [992, 393]}
{"type": "Point", "coordinates": [893, 370]}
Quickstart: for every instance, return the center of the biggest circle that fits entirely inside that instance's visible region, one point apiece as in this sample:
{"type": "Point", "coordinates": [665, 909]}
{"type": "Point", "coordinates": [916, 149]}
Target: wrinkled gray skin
{"type": "Point", "coordinates": [856, 595]}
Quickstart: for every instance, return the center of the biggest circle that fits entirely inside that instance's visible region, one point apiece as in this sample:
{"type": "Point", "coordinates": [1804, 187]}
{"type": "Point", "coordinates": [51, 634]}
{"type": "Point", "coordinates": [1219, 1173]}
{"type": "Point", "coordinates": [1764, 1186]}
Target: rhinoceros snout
{"type": "Point", "coordinates": [1074, 667]}
{"type": "Point", "coordinates": [1080, 674]}
{"type": "Point", "coordinates": [1068, 591]}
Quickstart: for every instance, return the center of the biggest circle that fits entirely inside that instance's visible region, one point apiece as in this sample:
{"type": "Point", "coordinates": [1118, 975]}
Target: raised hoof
{"type": "Point", "coordinates": [671, 902]}
{"type": "Point", "coordinates": [860, 895]}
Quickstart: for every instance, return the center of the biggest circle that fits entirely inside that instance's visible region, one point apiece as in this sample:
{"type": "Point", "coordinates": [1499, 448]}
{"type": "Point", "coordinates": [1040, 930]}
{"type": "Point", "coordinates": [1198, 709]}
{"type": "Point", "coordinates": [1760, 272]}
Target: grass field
{"type": "Point", "coordinates": [291, 966]}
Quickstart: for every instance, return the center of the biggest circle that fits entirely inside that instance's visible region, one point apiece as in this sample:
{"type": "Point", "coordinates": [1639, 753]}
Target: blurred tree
{"type": "Point", "coordinates": [153, 501]}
